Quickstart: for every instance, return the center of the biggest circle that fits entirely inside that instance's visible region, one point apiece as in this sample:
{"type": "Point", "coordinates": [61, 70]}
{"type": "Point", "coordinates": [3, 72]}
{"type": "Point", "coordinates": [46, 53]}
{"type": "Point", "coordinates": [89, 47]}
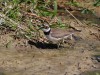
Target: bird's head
{"type": "Point", "coordinates": [45, 28]}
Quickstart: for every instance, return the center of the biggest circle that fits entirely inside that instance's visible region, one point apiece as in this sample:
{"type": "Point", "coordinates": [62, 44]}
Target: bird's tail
{"type": "Point", "coordinates": [69, 36]}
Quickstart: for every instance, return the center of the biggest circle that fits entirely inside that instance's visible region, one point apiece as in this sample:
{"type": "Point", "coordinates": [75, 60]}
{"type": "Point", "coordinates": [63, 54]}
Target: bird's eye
{"type": "Point", "coordinates": [46, 27]}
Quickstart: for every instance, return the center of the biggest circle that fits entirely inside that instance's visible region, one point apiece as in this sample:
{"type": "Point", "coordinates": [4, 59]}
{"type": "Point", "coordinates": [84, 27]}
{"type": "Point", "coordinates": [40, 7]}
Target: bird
{"type": "Point", "coordinates": [56, 35]}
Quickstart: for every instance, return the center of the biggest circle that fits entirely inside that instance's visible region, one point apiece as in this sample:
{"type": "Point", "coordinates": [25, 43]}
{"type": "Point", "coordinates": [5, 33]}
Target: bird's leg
{"type": "Point", "coordinates": [71, 36]}
{"type": "Point", "coordinates": [58, 45]}
{"type": "Point", "coordinates": [72, 41]}
{"type": "Point", "coordinates": [61, 43]}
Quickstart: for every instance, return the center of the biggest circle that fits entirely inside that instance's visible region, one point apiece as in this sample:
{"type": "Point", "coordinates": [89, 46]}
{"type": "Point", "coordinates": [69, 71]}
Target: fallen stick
{"type": "Point", "coordinates": [74, 17]}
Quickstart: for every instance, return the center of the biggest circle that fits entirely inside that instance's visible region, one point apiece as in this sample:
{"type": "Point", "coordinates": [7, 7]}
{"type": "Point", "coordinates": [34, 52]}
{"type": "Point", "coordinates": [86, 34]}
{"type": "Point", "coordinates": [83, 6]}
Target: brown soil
{"type": "Point", "coordinates": [24, 57]}
{"type": "Point", "coordinates": [21, 58]}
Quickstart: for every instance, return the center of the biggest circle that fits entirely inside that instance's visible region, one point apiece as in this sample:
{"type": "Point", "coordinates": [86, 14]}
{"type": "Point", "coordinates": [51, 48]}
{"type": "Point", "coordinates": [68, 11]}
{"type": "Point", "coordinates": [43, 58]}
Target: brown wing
{"type": "Point", "coordinates": [58, 33]}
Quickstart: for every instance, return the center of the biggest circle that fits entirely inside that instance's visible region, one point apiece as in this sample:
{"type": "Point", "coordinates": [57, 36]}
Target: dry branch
{"type": "Point", "coordinates": [38, 17]}
{"type": "Point", "coordinates": [74, 17]}
{"type": "Point", "coordinates": [10, 20]}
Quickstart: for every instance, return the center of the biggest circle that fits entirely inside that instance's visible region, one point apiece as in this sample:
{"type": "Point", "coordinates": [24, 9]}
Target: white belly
{"type": "Point", "coordinates": [56, 40]}
{"type": "Point", "coordinates": [53, 39]}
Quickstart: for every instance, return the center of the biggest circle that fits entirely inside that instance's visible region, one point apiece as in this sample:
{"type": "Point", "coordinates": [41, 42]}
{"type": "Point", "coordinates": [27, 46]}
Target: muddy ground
{"type": "Point", "coordinates": [23, 57]}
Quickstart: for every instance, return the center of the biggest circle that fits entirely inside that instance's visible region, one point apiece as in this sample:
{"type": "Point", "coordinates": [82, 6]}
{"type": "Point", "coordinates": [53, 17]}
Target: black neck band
{"type": "Point", "coordinates": [47, 33]}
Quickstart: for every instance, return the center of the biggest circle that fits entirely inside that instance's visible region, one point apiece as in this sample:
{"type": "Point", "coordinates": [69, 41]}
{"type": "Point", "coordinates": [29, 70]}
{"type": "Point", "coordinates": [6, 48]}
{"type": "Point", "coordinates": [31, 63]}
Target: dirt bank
{"type": "Point", "coordinates": [21, 58]}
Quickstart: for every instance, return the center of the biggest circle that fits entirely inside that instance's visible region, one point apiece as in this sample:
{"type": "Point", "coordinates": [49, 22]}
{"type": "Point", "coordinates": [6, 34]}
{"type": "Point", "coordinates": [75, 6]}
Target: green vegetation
{"type": "Point", "coordinates": [23, 17]}
{"type": "Point", "coordinates": [97, 3]}
{"type": "Point", "coordinates": [92, 73]}
{"type": "Point", "coordinates": [15, 14]}
{"type": "Point", "coordinates": [59, 24]}
{"type": "Point", "coordinates": [73, 3]}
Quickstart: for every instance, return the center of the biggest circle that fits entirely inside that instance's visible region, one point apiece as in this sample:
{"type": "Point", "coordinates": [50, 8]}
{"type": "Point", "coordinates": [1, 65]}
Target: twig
{"type": "Point", "coordinates": [13, 22]}
{"type": "Point", "coordinates": [39, 17]}
{"type": "Point", "coordinates": [74, 17]}
{"type": "Point", "coordinates": [10, 20]}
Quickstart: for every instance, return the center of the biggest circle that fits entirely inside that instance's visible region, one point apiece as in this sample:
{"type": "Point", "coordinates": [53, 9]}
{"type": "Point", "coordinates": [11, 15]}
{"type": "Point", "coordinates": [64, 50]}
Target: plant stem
{"type": "Point", "coordinates": [74, 17]}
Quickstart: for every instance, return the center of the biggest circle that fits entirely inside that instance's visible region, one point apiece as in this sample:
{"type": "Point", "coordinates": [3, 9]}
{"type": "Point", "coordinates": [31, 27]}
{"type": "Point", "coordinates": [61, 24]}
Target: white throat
{"type": "Point", "coordinates": [46, 30]}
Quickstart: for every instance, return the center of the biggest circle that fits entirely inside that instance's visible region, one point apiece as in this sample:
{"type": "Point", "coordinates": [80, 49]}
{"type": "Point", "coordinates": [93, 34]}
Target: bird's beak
{"type": "Point", "coordinates": [41, 27]}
